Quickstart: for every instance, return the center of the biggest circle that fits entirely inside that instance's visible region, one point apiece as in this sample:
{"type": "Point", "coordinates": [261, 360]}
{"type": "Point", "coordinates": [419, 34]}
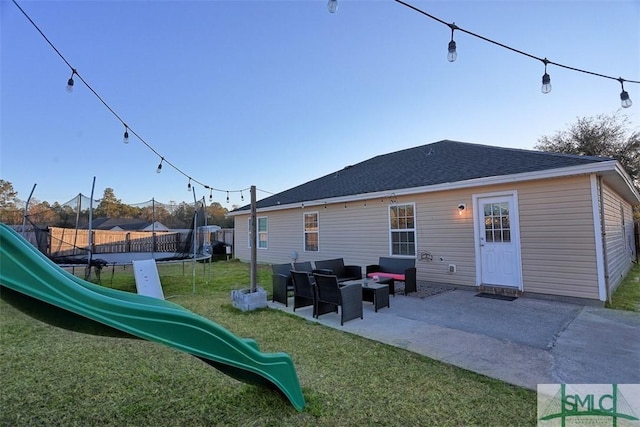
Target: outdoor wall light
{"type": "Point", "coordinates": [461, 208]}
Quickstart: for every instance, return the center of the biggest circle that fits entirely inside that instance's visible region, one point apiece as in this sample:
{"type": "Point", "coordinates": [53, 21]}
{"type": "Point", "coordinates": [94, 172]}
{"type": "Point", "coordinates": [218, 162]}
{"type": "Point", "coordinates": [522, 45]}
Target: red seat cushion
{"type": "Point", "coordinates": [399, 277]}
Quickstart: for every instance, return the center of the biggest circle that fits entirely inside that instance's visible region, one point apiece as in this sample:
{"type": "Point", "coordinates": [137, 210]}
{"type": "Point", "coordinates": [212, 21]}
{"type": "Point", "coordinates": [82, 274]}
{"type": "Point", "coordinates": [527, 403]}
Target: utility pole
{"type": "Point", "coordinates": [254, 240]}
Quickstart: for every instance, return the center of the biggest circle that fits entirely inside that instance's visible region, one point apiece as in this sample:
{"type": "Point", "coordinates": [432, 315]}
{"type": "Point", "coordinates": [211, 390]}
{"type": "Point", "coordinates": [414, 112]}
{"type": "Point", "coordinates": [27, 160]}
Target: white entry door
{"type": "Point", "coordinates": [498, 239]}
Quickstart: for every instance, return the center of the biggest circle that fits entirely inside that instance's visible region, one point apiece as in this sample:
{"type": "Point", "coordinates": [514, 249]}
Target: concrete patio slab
{"type": "Point", "coordinates": [525, 342]}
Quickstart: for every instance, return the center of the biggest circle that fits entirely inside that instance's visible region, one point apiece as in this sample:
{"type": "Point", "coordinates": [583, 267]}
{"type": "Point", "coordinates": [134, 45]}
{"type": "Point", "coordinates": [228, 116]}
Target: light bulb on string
{"type": "Point", "coordinates": [211, 195]}
{"type": "Point", "coordinates": [453, 54]}
{"type": "Point", "coordinates": [160, 165]}
{"type": "Point", "coordinates": [125, 138]}
{"type": "Point", "coordinates": [332, 6]}
{"type": "Point", "coordinates": [70, 81]}
{"type": "Point", "coordinates": [546, 79]}
{"type": "Point", "coordinates": [241, 196]}
{"type": "Point", "coordinates": [227, 197]}
{"type": "Point", "coordinates": [189, 185]}
{"type": "Point", "coordinates": [625, 101]}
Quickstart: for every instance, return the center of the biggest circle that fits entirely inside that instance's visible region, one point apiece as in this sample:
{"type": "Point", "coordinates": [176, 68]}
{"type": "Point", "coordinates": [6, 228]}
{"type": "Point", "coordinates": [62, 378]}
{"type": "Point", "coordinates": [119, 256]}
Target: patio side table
{"type": "Point", "coordinates": [377, 293]}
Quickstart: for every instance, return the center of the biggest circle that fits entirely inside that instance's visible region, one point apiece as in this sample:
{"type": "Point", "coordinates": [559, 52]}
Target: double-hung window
{"type": "Point", "coordinates": [261, 231]}
{"type": "Point", "coordinates": [402, 229]}
{"type": "Point", "coordinates": [311, 232]}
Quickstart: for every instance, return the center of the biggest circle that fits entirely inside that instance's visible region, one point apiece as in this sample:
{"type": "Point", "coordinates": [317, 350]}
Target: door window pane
{"type": "Point", "coordinates": [496, 222]}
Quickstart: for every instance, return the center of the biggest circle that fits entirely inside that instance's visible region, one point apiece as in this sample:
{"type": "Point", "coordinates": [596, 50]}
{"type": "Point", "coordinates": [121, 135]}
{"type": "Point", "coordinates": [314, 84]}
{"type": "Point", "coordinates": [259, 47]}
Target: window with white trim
{"type": "Point", "coordinates": [402, 229]}
{"type": "Point", "coordinates": [311, 232]}
{"type": "Point", "coordinates": [261, 231]}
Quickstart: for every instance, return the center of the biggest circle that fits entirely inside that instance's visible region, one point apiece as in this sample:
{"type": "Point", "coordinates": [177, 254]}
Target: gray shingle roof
{"type": "Point", "coordinates": [437, 163]}
{"type": "Point", "coordinates": [129, 224]}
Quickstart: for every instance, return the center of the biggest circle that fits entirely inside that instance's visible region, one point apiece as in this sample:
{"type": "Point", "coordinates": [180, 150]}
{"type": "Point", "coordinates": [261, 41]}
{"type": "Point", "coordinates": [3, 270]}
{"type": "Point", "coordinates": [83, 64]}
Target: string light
{"type": "Point", "coordinates": [189, 185]}
{"type": "Point", "coordinates": [210, 194]}
{"type": "Point", "coordinates": [125, 139]}
{"type": "Point", "coordinates": [624, 96]}
{"type": "Point", "coordinates": [70, 81]}
{"type": "Point", "coordinates": [453, 54]}
{"type": "Point", "coordinates": [332, 6]}
{"type": "Point", "coordinates": [70, 84]}
{"type": "Point", "coordinates": [227, 197]}
{"type": "Point", "coordinates": [546, 79]}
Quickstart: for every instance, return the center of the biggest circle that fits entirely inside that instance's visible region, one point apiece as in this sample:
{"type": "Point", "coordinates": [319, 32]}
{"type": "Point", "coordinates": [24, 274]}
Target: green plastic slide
{"type": "Point", "coordinates": [26, 270]}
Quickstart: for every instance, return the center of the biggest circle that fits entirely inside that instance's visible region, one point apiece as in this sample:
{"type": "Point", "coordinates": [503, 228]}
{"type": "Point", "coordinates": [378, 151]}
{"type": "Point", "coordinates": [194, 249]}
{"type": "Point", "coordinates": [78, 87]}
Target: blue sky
{"type": "Point", "coordinates": [277, 93]}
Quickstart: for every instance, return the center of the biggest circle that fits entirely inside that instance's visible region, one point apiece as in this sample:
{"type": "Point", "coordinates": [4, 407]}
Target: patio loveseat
{"type": "Point", "coordinates": [395, 269]}
{"type": "Point", "coordinates": [336, 267]}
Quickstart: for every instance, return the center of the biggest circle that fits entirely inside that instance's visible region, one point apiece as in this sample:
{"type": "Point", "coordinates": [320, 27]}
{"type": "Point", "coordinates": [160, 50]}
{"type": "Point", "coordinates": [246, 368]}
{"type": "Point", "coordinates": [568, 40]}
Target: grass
{"type": "Point", "coordinates": [59, 369]}
{"type": "Point", "coordinates": [627, 295]}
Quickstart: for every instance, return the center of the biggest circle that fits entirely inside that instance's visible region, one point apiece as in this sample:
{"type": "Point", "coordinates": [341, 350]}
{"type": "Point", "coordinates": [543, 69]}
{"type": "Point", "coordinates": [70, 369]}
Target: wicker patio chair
{"type": "Point", "coordinates": [303, 291]}
{"type": "Point", "coordinates": [330, 295]}
{"type": "Point", "coordinates": [282, 283]}
{"type": "Point", "coordinates": [303, 266]}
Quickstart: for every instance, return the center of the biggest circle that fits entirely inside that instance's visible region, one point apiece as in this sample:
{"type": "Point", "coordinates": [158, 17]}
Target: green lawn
{"type": "Point", "coordinates": [627, 296]}
{"type": "Point", "coordinates": [63, 370]}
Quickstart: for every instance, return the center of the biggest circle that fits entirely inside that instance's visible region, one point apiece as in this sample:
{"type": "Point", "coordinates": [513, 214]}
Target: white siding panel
{"type": "Point", "coordinates": [618, 217]}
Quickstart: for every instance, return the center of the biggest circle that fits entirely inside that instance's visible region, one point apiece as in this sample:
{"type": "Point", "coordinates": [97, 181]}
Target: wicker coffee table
{"type": "Point", "coordinates": [375, 292]}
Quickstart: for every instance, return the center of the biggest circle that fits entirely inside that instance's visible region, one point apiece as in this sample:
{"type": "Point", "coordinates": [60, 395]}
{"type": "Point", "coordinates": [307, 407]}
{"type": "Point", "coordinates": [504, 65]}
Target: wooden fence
{"type": "Point", "coordinates": [66, 241]}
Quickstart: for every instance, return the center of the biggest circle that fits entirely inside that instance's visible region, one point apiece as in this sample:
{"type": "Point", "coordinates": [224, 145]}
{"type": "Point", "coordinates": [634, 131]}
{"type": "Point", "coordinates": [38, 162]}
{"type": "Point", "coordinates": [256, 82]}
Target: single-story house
{"type": "Point", "coordinates": [470, 215]}
{"type": "Point", "coordinates": [126, 224]}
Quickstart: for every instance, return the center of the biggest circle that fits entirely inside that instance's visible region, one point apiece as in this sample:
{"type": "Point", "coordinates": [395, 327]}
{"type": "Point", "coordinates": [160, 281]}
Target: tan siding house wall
{"type": "Point", "coordinates": [557, 235]}
{"type": "Point", "coordinates": [445, 237]}
{"type": "Point", "coordinates": [357, 233]}
{"type": "Point", "coordinates": [618, 229]}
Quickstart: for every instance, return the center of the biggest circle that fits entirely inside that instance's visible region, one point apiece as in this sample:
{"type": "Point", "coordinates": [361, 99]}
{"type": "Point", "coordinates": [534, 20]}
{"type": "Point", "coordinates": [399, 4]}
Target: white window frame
{"type": "Point", "coordinates": [305, 231]}
{"type": "Point", "coordinates": [403, 230]}
{"type": "Point", "coordinates": [265, 233]}
{"type": "Point", "coordinates": [263, 236]}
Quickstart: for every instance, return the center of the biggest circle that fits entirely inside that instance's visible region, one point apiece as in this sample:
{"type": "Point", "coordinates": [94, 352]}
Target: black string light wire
{"type": "Point", "coordinates": [546, 79]}
{"type": "Point", "coordinates": [127, 129]}
{"type": "Point", "coordinates": [332, 6]}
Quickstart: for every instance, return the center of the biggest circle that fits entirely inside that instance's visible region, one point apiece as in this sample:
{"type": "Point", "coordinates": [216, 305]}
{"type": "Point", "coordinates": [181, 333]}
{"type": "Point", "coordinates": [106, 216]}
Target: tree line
{"type": "Point", "coordinates": [45, 214]}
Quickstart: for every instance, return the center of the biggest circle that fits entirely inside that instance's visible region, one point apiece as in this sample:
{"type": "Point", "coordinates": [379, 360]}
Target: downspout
{"type": "Point", "coordinates": [604, 240]}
